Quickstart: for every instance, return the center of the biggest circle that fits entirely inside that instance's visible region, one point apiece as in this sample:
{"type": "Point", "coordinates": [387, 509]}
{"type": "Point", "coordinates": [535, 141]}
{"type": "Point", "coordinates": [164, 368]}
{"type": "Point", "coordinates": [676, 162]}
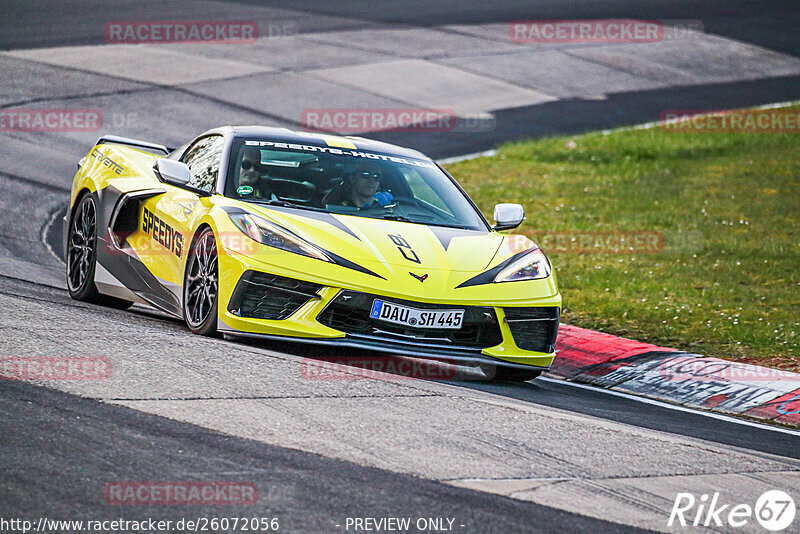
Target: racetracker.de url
{"type": "Point", "coordinates": [231, 525]}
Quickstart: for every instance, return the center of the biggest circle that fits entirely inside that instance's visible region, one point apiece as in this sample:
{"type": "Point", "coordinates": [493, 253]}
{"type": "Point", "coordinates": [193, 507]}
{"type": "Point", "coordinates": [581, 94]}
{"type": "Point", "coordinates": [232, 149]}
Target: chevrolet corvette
{"type": "Point", "coordinates": [269, 233]}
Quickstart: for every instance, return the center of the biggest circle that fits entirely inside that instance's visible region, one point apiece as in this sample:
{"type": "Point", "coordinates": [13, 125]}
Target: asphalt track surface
{"type": "Point", "coordinates": [772, 24]}
{"type": "Point", "coordinates": [64, 477]}
{"type": "Point", "coordinates": [769, 26]}
{"type": "Point", "coordinates": [178, 409]}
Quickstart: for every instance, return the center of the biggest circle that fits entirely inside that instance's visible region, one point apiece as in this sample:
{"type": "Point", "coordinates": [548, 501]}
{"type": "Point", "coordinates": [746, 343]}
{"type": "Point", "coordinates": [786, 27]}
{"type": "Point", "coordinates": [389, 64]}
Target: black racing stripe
{"type": "Point", "coordinates": [338, 260]}
{"type": "Point", "coordinates": [124, 265]}
{"type": "Point", "coordinates": [129, 269]}
{"type": "Point", "coordinates": [487, 277]}
{"type": "Point", "coordinates": [445, 234]}
{"type": "Point", "coordinates": [230, 210]}
{"type": "Point", "coordinates": [351, 265]}
{"type": "Point", "coordinates": [320, 216]}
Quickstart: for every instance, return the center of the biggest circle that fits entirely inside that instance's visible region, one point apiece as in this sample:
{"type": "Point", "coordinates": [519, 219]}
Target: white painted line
{"type": "Point", "coordinates": [53, 218]}
{"type": "Point", "coordinates": [669, 406]}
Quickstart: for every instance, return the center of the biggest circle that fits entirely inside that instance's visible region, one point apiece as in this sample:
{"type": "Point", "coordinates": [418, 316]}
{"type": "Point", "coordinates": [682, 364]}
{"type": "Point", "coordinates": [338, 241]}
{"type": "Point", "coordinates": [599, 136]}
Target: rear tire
{"type": "Point", "coordinates": [497, 373]}
{"type": "Point", "coordinates": [201, 285]}
{"type": "Point", "coordinates": [81, 257]}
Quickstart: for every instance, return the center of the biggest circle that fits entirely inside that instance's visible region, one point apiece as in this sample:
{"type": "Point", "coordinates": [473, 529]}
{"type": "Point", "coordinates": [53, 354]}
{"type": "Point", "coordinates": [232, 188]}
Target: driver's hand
{"type": "Point", "coordinates": [384, 198]}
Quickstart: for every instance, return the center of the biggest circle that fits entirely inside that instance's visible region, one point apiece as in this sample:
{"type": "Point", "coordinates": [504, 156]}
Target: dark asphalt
{"type": "Point", "coordinates": [587, 402]}
{"type": "Point", "coordinates": [596, 403]}
{"type": "Point", "coordinates": [59, 451]}
{"type": "Point", "coordinates": [575, 116]}
{"type": "Point", "coordinates": [632, 412]}
{"type": "Point", "coordinates": [771, 24]}
{"type": "Point", "coordinates": [538, 392]}
{"type": "Point", "coordinates": [38, 23]}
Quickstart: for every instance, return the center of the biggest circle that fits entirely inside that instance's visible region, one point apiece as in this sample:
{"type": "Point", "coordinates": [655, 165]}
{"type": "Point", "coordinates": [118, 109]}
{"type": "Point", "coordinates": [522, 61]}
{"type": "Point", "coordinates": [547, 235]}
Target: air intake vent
{"type": "Point", "coordinates": [267, 296]}
{"type": "Point", "coordinates": [534, 328]}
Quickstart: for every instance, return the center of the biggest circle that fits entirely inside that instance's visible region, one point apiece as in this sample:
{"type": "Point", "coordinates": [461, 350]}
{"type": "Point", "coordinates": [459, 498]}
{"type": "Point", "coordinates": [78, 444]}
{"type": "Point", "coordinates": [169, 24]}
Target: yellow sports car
{"type": "Point", "coordinates": [269, 233]}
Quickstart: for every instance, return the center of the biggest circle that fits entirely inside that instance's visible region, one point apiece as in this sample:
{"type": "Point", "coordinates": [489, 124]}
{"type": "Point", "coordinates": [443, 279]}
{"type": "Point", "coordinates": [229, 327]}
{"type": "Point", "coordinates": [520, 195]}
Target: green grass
{"type": "Point", "coordinates": [726, 282]}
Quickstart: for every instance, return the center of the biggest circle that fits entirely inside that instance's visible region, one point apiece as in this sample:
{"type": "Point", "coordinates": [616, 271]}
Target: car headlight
{"type": "Point", "coordinates": [269, 234]}
{"type": "Point", "coordinates": [532, 266]}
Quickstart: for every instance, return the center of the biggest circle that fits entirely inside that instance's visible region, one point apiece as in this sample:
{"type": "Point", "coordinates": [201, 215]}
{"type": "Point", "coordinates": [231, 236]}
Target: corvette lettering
{"type": "Point", "coordinates": [106, 161]}
{"type": "Point", "coordinates": [163, 233]}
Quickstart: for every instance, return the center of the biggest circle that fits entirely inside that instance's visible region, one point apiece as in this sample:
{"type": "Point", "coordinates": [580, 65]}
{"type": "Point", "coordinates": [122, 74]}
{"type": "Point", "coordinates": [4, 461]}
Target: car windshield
{"type": "Point", "coordinates": [348, 181]}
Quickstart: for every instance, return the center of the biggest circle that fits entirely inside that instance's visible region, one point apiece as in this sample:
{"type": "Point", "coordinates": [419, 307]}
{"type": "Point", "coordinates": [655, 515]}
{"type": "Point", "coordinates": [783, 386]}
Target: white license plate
{"type": "Point", "coordinates": [405, 315]}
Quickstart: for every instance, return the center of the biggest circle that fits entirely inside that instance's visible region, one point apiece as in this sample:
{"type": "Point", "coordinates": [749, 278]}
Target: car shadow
{"type": "Point", "coordinates": [324, 361]}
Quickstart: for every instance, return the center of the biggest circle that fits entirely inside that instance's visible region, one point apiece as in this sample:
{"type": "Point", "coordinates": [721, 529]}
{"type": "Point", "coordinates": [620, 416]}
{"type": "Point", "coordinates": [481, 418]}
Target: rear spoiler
{"type": "Point", "coordinates": [134, 142]}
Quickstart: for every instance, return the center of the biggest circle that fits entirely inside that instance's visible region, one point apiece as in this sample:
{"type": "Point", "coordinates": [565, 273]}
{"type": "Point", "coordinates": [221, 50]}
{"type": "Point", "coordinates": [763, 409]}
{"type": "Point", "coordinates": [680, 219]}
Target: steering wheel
{"type": "Point", "coordinates": [292, 189]}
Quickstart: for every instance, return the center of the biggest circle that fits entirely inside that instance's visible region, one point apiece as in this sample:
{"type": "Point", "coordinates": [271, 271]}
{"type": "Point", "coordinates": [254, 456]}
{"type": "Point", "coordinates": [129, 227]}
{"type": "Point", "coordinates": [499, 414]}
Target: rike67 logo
{"type": "Point", "coordinates": [774, 510]}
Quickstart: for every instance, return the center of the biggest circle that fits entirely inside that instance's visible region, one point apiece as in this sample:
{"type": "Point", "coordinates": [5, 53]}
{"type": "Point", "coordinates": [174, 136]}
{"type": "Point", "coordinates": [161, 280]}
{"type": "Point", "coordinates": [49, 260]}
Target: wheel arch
{"type": "Point", "coordinates": [207, 327]}
{"type": "Point", "coordinates": [197, 231]}
{"type": "Point", "coordinates": [82, 192]}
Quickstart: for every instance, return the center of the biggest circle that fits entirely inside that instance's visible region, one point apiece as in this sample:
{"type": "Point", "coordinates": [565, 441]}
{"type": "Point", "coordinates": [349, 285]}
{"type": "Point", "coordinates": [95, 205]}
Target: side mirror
{"type": "Point", "coordinates": [172, 172]}
{"type": "Point", "coordinates": [176, 173]}
{"type": "Point", "coordinates": [508, 216]}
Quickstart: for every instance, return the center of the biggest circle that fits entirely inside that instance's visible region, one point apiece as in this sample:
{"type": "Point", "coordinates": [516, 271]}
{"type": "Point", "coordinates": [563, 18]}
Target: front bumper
{"type": "Point", "coordinates": [275, 306]}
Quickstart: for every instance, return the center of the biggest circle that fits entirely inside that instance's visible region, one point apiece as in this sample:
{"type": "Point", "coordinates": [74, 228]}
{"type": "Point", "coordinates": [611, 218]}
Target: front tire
{"type": "Point", "coordinates": [201, 285]}
{"type": "Point", "coordinates": [81, 257]}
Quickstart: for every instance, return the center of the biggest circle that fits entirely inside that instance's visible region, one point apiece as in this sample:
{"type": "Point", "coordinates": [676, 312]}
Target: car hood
{"type": "Point", "coordinates": [391, 243]}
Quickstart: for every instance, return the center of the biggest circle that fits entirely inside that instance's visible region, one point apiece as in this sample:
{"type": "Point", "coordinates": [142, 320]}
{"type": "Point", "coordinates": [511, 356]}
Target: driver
{"type": "Point", "coordinates": [250, 182]}
{"type": "Point", "coordinates": [360, 188]}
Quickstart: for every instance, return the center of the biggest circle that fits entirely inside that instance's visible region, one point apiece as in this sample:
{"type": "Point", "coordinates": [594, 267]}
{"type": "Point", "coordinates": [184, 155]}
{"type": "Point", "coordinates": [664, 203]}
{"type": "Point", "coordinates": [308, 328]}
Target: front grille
{"type": "Point", "coordinates": [267, 296]}
{"type": "Point", "coordinates": [534, 328]}
{"type": "Point", "coordinates": [349, 313]}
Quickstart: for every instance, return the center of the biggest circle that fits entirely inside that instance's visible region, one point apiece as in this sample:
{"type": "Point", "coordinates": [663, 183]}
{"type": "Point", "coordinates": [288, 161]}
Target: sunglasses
{"type": "Point", "coordinates": [366, 175]}
{"type": "Point", "coordinates": [247, 165]}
